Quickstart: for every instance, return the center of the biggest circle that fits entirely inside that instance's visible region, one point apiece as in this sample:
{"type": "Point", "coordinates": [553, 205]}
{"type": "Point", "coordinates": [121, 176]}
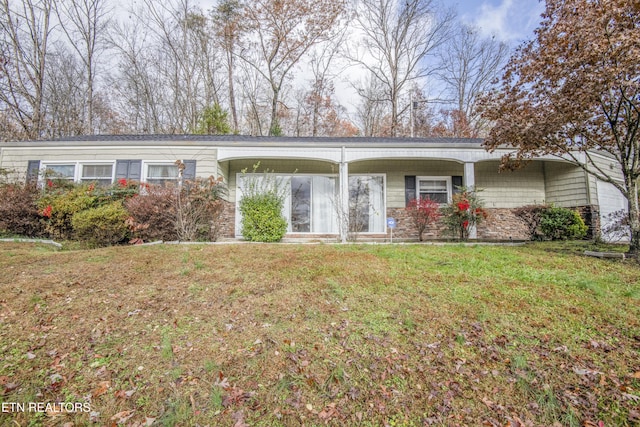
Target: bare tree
{"type": "Point", "coordinates": [139, 85]}
{"type": "Point", "coordinates": [470, 65]}
{"type": "Point", "coordinates": [227, 21]}
{"type": "Point", "coordinates": [85, 23]}
{"type": "Point", "coordinates": [279, 33]}
{"type": "Point", "coordinates": [398, 36]}
{"type": "Point", "coordinates": [24, 41]}
{"type": "Point", "coordinates": [65, 97]}
{"type": "Point", "coordinates": [186, 59]}
{"type": "Point", "coordinates": [372, 110]}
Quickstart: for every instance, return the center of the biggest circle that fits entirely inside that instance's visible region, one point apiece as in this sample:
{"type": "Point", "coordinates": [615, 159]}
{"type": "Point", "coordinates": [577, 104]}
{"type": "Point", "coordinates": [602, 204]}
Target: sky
{"type": "Point", "coordinates": [512, 21]}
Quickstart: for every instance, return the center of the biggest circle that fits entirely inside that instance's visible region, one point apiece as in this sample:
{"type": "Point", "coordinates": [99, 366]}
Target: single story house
{"type": "Point", "coordinates": [327, 176]}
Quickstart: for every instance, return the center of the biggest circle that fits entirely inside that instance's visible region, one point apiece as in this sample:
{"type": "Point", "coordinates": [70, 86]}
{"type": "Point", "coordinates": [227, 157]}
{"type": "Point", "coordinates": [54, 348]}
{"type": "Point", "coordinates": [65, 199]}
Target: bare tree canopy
{"type": "Point", "coordinates": [85, 23]}
{"type": "Point", "coordinates": [280, 32]}
{"type": "Point", "coordinates": [24, 42]}
{"type": "Point", "coordinates": [470, 65]}
{"type": "Point", "coordinates": [73, 67]}
{"type": "Point", "coordinates": [575, 89]}
{"type": "Point", "coordinates": [398, 36]}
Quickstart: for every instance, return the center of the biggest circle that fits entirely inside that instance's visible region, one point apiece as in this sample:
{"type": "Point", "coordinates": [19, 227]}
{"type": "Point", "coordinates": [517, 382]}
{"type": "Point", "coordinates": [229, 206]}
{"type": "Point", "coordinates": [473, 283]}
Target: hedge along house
{"type": "Point", "coordinates": [331, 179]}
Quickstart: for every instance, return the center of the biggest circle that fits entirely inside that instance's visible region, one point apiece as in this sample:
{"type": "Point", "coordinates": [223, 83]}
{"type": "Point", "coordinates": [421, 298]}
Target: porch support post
{"type": "Point", "coordinates": [469, 175]}
{"type": "Point", "coordinates": [343, 200]}
{"type": "Point", "coordinates": [470, 183]}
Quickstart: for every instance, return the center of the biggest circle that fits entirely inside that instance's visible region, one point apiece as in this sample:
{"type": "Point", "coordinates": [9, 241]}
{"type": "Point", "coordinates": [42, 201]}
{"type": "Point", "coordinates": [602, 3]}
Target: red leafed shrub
{"type": "Point", "coordinates": [463, 213]}
{"type": "Point", "coordinates": [153, 213]}
{"type": "Point", "coordinates": [422, 213]}
{"type": "Point", "coordinates": [18, 210]}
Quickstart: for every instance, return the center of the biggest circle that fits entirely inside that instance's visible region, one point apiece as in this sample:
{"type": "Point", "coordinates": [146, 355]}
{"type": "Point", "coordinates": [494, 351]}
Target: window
{"type": "Point", "coordinates": [436, 188]}
{"type": "Point", "coordinates": [162, 173]}
{"type": "Point", "coordinates": [309, 204]}
{"type": "Point", "coordinates": [102, 174]}
{"type": "Point", "coordinates": [366, 204]}
{"type": "Point", "coordinates": [301, 204]}
{"type": "Point", "coordinates": [60, 171]}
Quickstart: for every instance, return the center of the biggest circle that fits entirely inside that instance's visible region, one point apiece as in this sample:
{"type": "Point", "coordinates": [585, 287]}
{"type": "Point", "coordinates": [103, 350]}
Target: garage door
{"type": "Point", "coordinates": [611, 201]}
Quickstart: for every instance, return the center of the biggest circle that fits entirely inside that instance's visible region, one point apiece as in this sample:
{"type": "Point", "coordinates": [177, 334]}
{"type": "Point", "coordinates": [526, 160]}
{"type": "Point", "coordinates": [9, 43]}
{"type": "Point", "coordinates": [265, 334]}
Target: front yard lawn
{"type": "Point", "coordinates": [270, 335]}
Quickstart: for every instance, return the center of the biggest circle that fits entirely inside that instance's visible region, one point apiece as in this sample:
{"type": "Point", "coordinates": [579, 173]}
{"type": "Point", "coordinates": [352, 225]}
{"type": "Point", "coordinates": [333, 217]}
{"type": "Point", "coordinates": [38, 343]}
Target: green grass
{"type": "Point", "coordinates": [321, 335]}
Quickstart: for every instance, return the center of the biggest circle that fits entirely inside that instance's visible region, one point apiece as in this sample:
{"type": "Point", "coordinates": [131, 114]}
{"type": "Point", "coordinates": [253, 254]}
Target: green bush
{"type": "Point", "coordinates": [101, 226]}
{"type": "Point", "coordinates": [59, 207]}
{"type": "Point", "coordinates": [562, 224]}
{"type": "Point", "coordinates": [262, 219]}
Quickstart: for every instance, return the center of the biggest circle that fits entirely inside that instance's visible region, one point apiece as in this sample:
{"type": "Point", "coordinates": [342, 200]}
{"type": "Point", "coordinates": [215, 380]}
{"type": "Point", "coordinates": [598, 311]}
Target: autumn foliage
{"type": "Point", "coordinates": [575, 90]}
{"type": "Point", "coordinates": [463, 214]}
{"type": "Point", "coordinates": [422, 213]}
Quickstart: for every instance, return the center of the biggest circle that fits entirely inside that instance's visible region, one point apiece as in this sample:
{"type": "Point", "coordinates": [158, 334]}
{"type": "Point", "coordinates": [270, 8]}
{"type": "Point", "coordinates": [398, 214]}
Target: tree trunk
{"type": "Point", "coordinates": [634, 217]}
{"type": "Point", "coordinates": [274, 127]}
{"type": "Point", "coordinates": [232, 96]}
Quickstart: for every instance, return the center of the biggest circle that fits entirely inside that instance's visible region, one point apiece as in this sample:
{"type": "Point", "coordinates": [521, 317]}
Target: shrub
{"type": "Point", "coordinates": [60, 205]}
{"type": "Point", "coordinates": [562, 224]}
{"type": "Point", "coordinates": [152, 214]}
{"type": "Point", "coordinates": [18, 210]}
{"type": "Point", "coordinates": [617, 226]}
{"type": "Point", "coordinates": [101, 226]}
{"type": "Point", "coordinates": [531, 216]}
{"type": "Point", "coordinates": [261, 206]}
{"type": "Point", "coordinates": [199, 208]}
{"type": "Point", "coordinates": [463, 213]}
{"type": "Point", "coordinates": [262, 219]}
{"type": "Point", "coordinates": [422, 212]}
{"type": "Point", "coordinates": [188, 213]}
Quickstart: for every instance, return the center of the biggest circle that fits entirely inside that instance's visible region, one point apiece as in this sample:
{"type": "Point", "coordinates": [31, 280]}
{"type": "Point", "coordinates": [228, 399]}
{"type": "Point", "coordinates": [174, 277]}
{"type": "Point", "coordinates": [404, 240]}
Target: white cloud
{"type": "Point", "coordinates": [509, 20]}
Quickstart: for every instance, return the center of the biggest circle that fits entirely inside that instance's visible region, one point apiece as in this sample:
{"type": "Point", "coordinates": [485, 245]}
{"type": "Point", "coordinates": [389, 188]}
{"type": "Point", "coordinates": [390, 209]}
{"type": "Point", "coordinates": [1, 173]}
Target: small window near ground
{"type": "Point", "coordinates": [437, 189]}
{"type": "Point", "coordinates": [101, 174]}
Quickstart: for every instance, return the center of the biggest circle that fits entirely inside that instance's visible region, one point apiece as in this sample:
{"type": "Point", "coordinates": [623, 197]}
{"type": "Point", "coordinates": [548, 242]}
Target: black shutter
{"type": "Point", "coordinates": [33, 169]}
{"type": "Point", "coordinates": [456, 183]}
{"type": "Point", "coordinates": [409, 189]}
{"type": "Point", "coordinates": [129, 169]}
{"type": "Point", "coordinates": [189, 172]}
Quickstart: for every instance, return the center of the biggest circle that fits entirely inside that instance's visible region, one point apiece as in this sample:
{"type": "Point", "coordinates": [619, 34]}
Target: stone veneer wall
{"type": "Point", "coordinates": [502, 224]}
{"type": "Point", "coordinates": [591, 216]}
{"type": "Point", "coordinates": [227, 222]}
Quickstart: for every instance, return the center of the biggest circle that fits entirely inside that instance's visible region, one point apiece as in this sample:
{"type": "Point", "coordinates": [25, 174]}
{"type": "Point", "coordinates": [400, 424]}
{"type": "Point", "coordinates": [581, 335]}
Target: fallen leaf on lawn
{"type": "Point", "coordinates": [328, 412]}
{"type": "Point", "coordinates": [631, 397]}
{"type": "Point", "coordinates": [581, 371]}
{"type": "Point", "coordinates": [122, 394]}
{"type": "Point", "coordinates": [238, 417]}
{"type": "Point", "coordinates": [487, 402]}
{"type": "Point", "coordinates": [103, 386]}
{"type": "Point", "coordinates": [636, 375]}
{"type": "Point", "coordinates": [122, 417]}
{"type": "Point", "coordinates": [53, 410]}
